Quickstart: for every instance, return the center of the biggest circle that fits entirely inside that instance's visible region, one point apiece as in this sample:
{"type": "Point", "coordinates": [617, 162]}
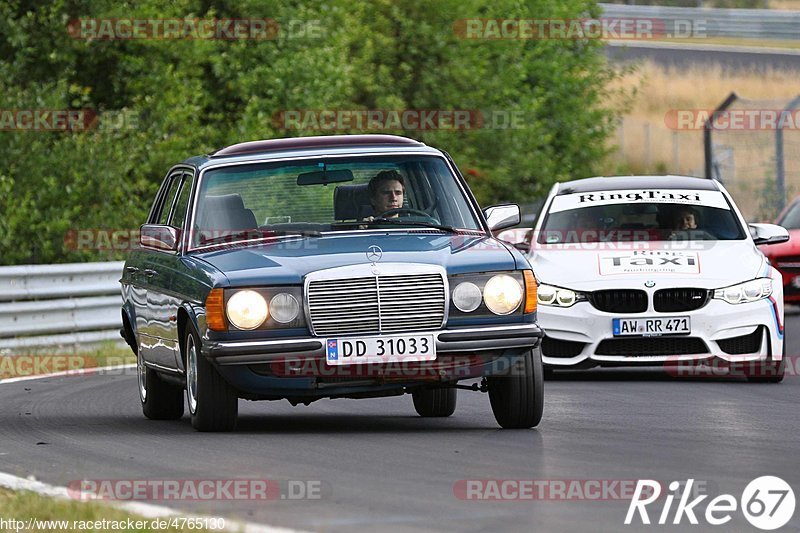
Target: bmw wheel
{"type": "Point", "coordinates": [770, 371]}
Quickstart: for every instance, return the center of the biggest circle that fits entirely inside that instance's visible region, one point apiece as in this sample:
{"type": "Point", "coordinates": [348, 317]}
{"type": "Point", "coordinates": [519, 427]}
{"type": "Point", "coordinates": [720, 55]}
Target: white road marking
{"type": "Point", "coordinates": [76, 372]}
{"type": "Point", "coordinates": [146, 510]}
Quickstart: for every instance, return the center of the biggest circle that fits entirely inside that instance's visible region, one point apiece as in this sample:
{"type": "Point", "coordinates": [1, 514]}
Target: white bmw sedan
{"type": "Point", "coordinates": [653, 270]}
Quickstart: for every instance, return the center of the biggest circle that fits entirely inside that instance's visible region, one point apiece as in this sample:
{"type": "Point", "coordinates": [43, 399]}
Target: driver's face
{"type": "Point", "coordinates": [687, 221]}
{"type": "Point", "coordinates": [389, 195]}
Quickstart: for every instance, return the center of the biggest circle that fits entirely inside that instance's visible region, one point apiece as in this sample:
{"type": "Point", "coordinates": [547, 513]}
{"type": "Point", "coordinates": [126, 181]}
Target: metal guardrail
{"type": "Point", "coordinates": [715, 22]}
{"type": "Point", "coordinates": [59, 305]}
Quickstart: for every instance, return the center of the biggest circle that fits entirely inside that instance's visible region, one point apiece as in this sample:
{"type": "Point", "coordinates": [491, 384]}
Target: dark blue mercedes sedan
{"type": "Point", "coordinates": [328, 267]}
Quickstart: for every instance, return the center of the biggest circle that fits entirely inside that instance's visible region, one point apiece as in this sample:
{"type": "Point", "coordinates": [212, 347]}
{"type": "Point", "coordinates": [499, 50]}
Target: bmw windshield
{"type": "Point", "coordinates": [313, 196]}
{"type": "Point", "coordinates": [640, 215]}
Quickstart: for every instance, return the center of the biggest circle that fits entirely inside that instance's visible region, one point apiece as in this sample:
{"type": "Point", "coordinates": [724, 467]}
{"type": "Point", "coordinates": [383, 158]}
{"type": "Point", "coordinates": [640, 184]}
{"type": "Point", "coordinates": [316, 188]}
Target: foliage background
{"type": "Point", "coordinates": [187, 97]}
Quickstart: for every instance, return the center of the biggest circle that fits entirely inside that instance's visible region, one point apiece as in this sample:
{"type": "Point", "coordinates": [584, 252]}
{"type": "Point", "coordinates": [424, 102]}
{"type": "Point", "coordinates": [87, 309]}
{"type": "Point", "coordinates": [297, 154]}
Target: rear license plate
{"type": "Point", "coordinates": [648, 327]}
{"type": "Point", "coordinates": [383, 349]}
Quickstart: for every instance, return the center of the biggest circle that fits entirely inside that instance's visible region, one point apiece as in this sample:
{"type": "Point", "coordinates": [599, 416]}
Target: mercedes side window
{"type": "Point", "coordinates": [179, 212]}
{"type": "Point", "coordinates": [169, 199]}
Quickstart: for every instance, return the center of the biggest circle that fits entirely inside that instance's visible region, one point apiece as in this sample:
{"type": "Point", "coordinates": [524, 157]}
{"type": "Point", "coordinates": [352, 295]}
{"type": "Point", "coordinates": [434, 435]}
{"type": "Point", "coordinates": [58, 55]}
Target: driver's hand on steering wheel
{"type": "Point", "coordinates": [372, 218]}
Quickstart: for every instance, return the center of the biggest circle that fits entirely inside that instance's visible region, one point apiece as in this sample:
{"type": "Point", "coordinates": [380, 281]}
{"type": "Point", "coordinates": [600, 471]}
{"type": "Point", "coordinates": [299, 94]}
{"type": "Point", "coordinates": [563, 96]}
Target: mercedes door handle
{"type": "Point", "coordinates": [150, 273]}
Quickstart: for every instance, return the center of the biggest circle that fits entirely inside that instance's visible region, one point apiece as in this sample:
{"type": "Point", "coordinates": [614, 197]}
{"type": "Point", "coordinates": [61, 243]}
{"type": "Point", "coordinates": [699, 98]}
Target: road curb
{"type": "Point", "coordinates": [145, 510]}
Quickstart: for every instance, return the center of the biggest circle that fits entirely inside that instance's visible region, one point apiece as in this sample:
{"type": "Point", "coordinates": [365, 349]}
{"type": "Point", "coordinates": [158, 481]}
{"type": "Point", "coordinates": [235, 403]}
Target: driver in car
{"type": "Point", "coordinates": [686, 223]}
{"type": "Point", "coordinates": [386, 191]}
{"type": "Point", "coordinates": [685, 219]}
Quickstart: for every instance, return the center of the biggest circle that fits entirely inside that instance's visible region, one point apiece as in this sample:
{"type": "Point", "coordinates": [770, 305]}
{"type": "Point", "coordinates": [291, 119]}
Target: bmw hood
{"type": "Point", "coordinates": [289, 260]}
{"type": "Point", "coordinates": [705, 265]}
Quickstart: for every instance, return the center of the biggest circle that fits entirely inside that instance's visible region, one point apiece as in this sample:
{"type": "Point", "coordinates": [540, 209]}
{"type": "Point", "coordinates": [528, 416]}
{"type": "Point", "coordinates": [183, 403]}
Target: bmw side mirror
{"type": "Point", "coordinates": [502, 216]}
{"type": "Point", "coordinates": [159, 237]}
{"type": "Point", "coordinates": [768, 233]}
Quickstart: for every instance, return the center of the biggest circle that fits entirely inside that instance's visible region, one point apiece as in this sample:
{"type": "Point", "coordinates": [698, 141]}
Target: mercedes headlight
{"type": "Point", "coordinates": [247, 309]}
{"type": "Point", "coordinates": [557, 296]}
{"type": "Point", "coordinates": [467, 297]}
{"type": "Point", "coordinates": [502, 294]}
{"type": "Point", "coordinates": [284, 308]}
{"type": "Point", "coordinates": [749, 291]}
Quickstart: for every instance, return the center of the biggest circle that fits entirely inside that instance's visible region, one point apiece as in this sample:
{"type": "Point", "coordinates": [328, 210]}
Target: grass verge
{"type": "Point", "coordinates": [35, 513]}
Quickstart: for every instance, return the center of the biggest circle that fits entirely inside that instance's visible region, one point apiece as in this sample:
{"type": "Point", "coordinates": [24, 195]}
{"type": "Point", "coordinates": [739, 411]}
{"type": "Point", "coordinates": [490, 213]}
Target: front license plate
{"type": "Point", "coordinates": [672, 325]}
{"type": "Point", "coordinates": [383, 349]}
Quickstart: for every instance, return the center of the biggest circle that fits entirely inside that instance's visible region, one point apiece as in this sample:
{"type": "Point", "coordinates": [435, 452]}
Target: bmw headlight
{"type": "Point", "coordinates": [557, 296]}
{"type": "Point", "coordinates": [749, 291]}
{"type": "Point", "coordinates": [247, 309]}
{"type": "Point", "coordinates": [502, 294]}
{"type": "Point", "coordinates": [284, 308]}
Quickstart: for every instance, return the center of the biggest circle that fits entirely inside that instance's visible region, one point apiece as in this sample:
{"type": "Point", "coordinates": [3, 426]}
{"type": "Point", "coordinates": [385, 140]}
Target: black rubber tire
{"type": "Point", "coordinates": [217, 406]}
{"type": "Point", "coordinates": [162, 401]}
{"type": "Point", "coordinates": [770, 371]}
{"type": "Point", "coordinates": [435, 402]}
{"type": "Point", "coordinates": [518, 398]}
{"type": "Point", "coordinates": [159, 400]}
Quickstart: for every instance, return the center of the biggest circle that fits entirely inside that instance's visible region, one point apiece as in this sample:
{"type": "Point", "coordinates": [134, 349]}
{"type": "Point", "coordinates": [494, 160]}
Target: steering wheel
{"type": "Point", "coordinates": [691, 235]}
{"type": "Point", "coordinates": [399, 210]}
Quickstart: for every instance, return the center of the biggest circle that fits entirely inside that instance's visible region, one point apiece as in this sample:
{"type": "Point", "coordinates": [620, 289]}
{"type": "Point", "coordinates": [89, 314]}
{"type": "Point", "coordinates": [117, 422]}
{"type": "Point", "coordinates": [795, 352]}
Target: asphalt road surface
{"type": "Point", "coordinates": [377, 465]}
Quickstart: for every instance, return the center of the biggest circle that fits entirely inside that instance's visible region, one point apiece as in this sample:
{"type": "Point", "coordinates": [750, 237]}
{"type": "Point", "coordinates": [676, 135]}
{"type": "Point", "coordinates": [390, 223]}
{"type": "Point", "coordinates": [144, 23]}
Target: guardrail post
{"type": "Point", "coordinates": [707, 128]}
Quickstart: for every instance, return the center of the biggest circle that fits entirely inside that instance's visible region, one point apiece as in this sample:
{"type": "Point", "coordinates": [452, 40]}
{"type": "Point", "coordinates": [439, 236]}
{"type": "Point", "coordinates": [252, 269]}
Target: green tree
{"type": "Point", "coordinates": [185, 97]}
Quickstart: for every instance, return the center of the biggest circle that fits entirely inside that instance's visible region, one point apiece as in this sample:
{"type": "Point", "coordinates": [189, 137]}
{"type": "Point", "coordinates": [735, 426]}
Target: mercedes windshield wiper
{"type": "Point", "coordinates": [252, 234]}
{"type": "Point", "coordinates": [285, 232]}
{"type": "Point", "coordinates": [401, 222]}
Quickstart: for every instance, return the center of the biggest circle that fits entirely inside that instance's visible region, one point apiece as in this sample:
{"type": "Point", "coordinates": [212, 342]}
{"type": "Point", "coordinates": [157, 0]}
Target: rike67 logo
{"type": "Point", "coordinates": [767, 503]}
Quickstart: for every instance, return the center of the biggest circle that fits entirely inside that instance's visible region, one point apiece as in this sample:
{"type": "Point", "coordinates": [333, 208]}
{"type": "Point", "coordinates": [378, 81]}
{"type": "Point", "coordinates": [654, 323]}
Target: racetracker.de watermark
{"type": "Point", "coordinates": [733, 119]}
{"type": "Point", "coordinates": [457, 367]}
{"type": "Point", "coordinates": [398, 119]}
{"type": "Point", "coordinates": [544, 489]}
{"type": "Point", "coordinates": [606, 28]}
{"type": "Point", "coordinates": [197, 489]}
{"type": "Point", "coordinates": [15, 366]}
{"type": "Point", "coordinates": [592, 239]}
{"type": "Point", "coordinates": [66, 120]}
{"type": "Point", "coordinates": [253, 29]}
{"type": "Point", "coordinates": [127, 239]}
{"type": "Point", "coordinates": [730, 367]}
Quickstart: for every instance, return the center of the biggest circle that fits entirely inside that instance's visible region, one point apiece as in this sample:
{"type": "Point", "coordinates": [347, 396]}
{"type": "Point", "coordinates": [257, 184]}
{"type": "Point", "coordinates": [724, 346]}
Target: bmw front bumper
{"type": "Point", "coordinates": [581, 336]}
